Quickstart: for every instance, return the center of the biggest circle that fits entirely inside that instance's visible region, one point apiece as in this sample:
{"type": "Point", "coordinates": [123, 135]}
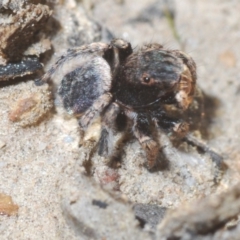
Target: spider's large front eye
{"type": "Point", "coordinates": [146, 79]}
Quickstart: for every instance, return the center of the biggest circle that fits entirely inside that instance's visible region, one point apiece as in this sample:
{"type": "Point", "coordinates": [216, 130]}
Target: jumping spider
{"type": "Point", "coordinates": [132, 91]}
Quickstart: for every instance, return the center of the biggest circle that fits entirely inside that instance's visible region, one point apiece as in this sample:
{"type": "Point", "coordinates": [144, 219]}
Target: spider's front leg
{"type": "Point", "coordinates": [112, 133]}
{"type": "Point", "coordinates": [143, 132]}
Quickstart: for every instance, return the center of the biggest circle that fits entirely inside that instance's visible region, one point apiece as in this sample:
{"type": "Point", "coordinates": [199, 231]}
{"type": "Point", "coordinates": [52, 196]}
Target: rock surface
{"type": "Point", "coordinates": [19, 30]}
{"type": "Point", "coordinates": [95, 214]}
{"type": "Point", "coordinates": [202, 217]}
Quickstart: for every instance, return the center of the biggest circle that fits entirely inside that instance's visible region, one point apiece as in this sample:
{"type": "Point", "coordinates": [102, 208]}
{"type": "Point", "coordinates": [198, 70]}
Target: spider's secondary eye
{"type": "Point", "coordinates": [146, 79]}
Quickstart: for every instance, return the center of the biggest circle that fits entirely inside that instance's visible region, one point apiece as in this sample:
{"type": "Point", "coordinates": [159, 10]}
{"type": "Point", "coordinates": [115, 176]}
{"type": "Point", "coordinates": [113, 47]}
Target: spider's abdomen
{"type": "Point", "coordinates": [82, 86]}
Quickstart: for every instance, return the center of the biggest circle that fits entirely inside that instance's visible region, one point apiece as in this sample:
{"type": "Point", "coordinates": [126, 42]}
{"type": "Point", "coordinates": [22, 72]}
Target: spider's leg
{"type": "Point", "coordinates": [112, 133]}
{"type": "Point", "coordinates": [108, 129]}
{"type": "Point", "coordinates": [97, 107]}
{"type": "Point", "coordinates": [72, 59]}
{"type": "Point", "coordinates": [179, 127]}
{"type": "Point", "coordinates": [216, 158]}
{"type": "Point", "coordinates": [121, 50]}
{"type": "Point", "coordinates": [142, 131]}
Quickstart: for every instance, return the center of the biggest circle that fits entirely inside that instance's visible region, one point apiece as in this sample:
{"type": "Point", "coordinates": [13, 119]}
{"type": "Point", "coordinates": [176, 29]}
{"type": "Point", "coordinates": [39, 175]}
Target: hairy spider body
{"type": "Point", "coordinates": [129, 90]}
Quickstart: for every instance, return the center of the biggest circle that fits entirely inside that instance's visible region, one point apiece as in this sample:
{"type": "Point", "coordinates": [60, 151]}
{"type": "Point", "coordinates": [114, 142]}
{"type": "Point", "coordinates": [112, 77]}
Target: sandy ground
{"type": "Point", "coordinates": [40, 163]}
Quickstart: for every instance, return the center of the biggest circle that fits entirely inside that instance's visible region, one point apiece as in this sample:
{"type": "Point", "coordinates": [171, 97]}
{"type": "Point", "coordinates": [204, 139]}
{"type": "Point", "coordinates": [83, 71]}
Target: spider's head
{"type": "Point", "coordinates": [168, 75]}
